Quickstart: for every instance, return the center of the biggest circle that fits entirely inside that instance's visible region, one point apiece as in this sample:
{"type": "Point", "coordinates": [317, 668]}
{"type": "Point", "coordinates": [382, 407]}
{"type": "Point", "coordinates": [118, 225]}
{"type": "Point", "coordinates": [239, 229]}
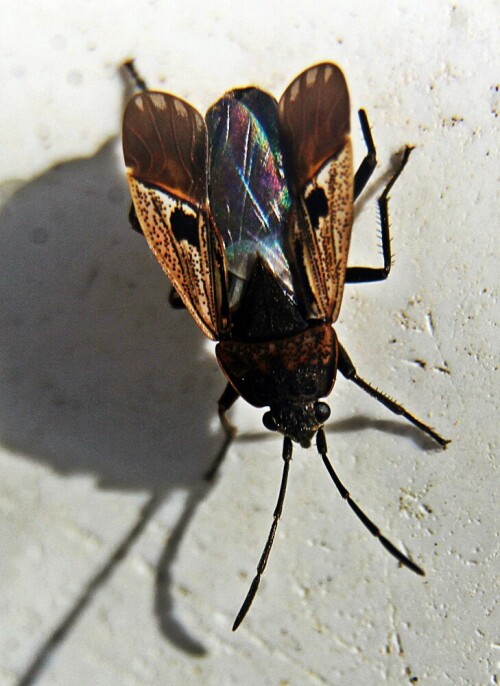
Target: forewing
{"type": "Point", "coordinates": [165, 149]}
{"type": "Point", "coordinates": [314, 116]}
{"type": "Point", "coordinates": [250, 199]}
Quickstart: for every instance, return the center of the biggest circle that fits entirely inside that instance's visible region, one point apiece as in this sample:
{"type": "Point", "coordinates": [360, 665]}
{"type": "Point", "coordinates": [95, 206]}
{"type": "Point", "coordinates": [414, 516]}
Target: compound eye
{"type": "Point", "coordinates": [269, 421]}
{"type": "Point", "coordinates": [321, 412]}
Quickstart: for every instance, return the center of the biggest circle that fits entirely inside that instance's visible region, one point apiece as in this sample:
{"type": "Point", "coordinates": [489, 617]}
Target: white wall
{"type": "Point", "coordinates": [108, 398]}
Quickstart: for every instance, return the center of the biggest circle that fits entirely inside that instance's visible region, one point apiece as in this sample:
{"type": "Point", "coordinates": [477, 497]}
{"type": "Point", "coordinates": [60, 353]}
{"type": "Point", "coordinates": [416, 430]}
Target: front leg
{"type": "Point", "coordinates": [348, 370]}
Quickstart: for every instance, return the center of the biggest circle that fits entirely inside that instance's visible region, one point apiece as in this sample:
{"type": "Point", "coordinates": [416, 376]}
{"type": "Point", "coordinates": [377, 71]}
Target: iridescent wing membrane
{"type": "Point", "coordinates": [257, 179]}
{"type": "Point", "coordinates": [249, 195]}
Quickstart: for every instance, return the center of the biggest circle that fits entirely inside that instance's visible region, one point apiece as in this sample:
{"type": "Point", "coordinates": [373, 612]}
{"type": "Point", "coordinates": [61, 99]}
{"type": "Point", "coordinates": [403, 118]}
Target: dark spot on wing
{"type": "Point", "coordinates": [317, 206]}
{"type": "Point", "coordinates": [185, 227]}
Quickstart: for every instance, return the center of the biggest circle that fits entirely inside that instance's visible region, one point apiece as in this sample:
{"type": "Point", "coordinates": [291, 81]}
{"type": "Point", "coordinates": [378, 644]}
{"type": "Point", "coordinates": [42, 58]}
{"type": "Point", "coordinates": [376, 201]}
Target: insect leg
{"type": "Point", "coordinates": [133, 221]}
{"type": "Point", "coordinates": [348, 370]}
{"type": "Point", "coordinates": [365, 274]}
{"type": "Point", "coordinates": [287, 456]}
{"type": "Point", "coordinates": [175, 301]}
{"type": "Point", "coordinates": [227, 400]}
{"type": "Point", "coordinates": [135, 76]}
{"type": "Point", "coordinates": [374, 530]}
{"type": "Point", "coordinates": [367, 166]}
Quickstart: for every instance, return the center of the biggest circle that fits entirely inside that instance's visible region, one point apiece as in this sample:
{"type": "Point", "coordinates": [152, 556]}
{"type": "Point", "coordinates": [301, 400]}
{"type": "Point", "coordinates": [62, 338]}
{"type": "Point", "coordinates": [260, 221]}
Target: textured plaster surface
{"type": "Point", "coordinates": [118, 566]}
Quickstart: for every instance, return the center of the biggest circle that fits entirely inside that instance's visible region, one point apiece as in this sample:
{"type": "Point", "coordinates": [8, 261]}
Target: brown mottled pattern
{"type": "Point", "coordinates": [314, 115]}
{"type": "Point", "coordinates": [165, 145]}
{"type": "Point", "coordinates": [334, 231]}
{"type": "Point", "coordinates": [188, 270]}
{"type": "Point", "coordinates": [325, 248]}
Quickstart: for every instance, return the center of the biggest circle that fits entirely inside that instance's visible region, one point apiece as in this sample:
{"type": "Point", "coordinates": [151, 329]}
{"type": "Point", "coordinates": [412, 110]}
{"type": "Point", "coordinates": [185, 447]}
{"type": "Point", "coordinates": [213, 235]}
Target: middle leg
{"type": "Point", "coordinates": [226, 401]}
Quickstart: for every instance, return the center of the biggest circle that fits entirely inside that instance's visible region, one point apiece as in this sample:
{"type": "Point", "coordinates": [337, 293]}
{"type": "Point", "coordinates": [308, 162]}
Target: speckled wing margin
{"type": "Point", "coordinates": [314, 117]}
{"type": "Point", "coordinates": [165, 150]}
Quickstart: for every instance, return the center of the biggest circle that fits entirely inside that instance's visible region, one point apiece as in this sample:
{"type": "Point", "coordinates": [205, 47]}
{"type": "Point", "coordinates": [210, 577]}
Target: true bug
{"type": "Point", "coordinates": [249, 213]}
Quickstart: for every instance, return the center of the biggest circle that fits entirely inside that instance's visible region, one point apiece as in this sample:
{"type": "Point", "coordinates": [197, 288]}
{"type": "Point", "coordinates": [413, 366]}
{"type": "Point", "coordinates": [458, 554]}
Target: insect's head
{"type": "Point", "coordinates": [298, 421]}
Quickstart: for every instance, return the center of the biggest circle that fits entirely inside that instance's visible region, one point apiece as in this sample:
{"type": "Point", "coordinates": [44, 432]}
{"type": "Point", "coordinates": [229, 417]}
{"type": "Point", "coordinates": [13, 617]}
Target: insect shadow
{"type": "Point", "coordinates": [94, 361]}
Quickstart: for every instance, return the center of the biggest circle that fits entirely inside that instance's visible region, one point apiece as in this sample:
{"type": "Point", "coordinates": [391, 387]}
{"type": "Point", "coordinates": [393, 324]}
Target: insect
{"type": "Point", "coordinates": [249, 213]}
